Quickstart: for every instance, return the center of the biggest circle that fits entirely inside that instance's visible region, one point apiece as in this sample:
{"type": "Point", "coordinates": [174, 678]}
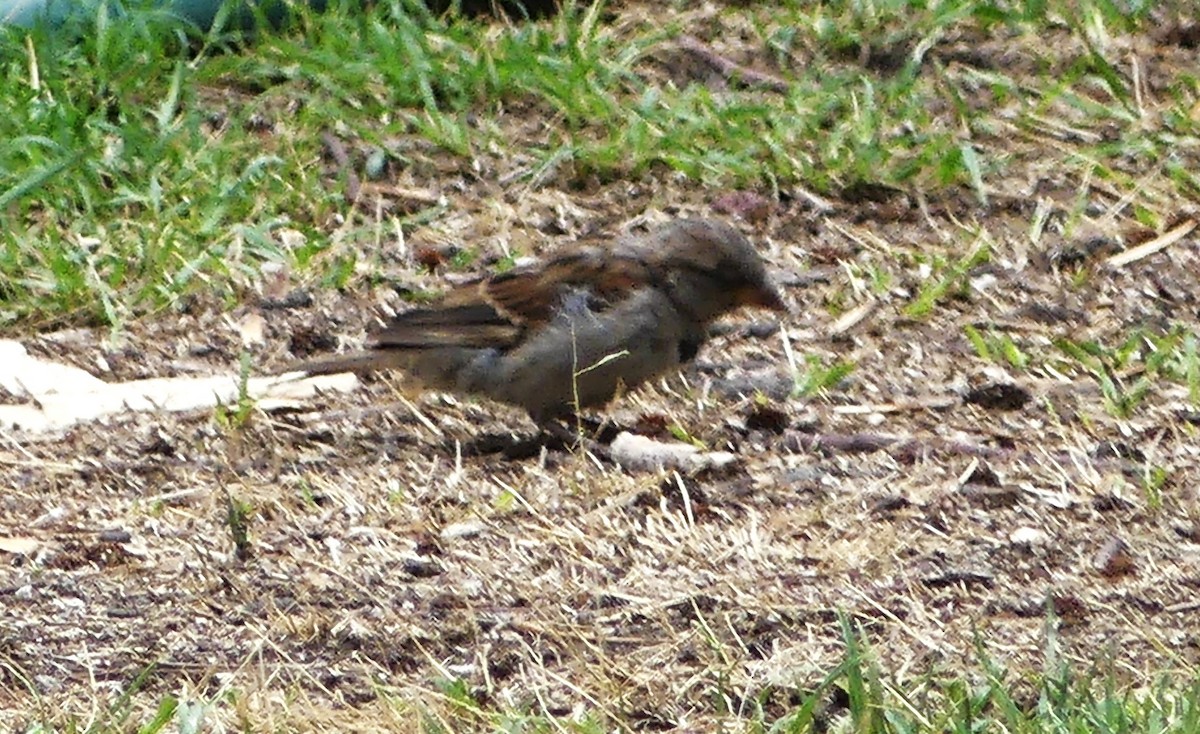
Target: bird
{"type": "Point", "coordinates": [573, 331]}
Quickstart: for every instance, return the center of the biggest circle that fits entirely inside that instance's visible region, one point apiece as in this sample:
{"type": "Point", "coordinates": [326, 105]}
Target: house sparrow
{"type": "Point", "coordinates": [569, 333]}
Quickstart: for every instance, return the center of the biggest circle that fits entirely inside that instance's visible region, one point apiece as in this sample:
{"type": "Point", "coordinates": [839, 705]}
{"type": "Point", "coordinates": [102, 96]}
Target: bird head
{"type": "Point", "coordinates": [714, 269]}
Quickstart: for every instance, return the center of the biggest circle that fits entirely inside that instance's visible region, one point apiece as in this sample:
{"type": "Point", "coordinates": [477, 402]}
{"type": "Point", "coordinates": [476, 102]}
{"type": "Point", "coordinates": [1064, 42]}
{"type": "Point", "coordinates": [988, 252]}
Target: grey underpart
{"type": "Point", "coordinates": [577, 360]}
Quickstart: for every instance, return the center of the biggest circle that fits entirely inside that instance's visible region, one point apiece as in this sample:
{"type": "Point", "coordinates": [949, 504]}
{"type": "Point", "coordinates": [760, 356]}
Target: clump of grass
{"type": "Point", "coordinates": [996, 346]}
{"type": "Point", "coordinates": [1060, 699]}
{"type": "Point", "coordinates": [144, 161]}
{"type": "Point", "coordinates": [813, 375]}
{"type": "Point", "coordinates": [1128, 371]}
{"type": "Point", "coordinates": [234, 419]}
{"type": "Point", "coordinates": [947, 279]}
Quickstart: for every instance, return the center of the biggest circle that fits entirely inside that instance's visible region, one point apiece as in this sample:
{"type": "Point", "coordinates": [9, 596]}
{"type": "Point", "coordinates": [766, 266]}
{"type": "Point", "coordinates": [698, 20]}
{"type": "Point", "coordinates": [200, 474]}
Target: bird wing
{"type": "Point", "coordinates": [496, 312]}
{"type": "Point", "coordinates": [532, 296]}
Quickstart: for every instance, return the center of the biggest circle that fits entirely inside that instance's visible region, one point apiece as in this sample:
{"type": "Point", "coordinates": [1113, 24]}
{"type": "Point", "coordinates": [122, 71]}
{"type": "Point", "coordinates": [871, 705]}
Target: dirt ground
{"type": "Point", "coordinates": [397, 541]}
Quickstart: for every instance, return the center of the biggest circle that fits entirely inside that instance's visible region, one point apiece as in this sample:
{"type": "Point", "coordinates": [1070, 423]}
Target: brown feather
{"type": "Point", "coordinates": [351, 362]}
{"type": "Point", "coordinates": [496, 312]}
{"type": "Point", "coordinates": [476, 325]}
{"type": "Point", "coordinates": [531, 296]}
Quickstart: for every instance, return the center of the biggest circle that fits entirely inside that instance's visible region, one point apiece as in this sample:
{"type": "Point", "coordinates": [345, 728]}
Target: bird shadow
{"type": "Point", "coordinates": [551, 437]}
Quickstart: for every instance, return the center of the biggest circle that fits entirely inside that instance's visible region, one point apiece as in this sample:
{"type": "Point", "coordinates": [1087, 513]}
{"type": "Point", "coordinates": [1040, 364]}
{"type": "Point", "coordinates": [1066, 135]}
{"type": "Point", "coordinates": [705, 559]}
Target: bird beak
{"type": "Point", "coordinates": [762, 297]}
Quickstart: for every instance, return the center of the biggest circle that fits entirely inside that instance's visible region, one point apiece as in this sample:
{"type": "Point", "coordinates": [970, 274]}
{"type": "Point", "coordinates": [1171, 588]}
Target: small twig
{"type": "Point", "coordinates": [20, 449]}
{"type": "Point", "coordinates": [420, 197]}
{"type": "Point", "coordinates": [818, 203]}
{"type": "Point", "coordinates": [935, 402]}
{"type": "Point", "coordinates": [424, 419]}
{"type": "Point", "coordinates": [337, 151]}
{"type": "Point", "coordinates": [910, 448]}
{"type": "Point", "coordinates": [901, 447]}
{"type": "Point", "coordinates": [852, 318]}
{"type": "Point", "coordinates": [732, 71]}
{"type": "Point", "coordinates": [687, 500]}
{"type": "Point", "coordinates": [1149, 248]}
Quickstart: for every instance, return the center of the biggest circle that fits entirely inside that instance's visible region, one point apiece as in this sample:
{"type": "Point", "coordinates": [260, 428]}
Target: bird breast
{"type": "Point", "coordinates": [583, 357]}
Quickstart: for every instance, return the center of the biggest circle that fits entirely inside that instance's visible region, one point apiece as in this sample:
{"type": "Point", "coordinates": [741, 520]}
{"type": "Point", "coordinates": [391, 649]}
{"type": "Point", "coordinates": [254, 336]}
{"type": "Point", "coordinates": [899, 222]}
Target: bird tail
{"type": "Point", "coordinates": [366, 361]}
{"type": "Point", "coordinates": [473, 326]}
{"type": "Point", "coordinates": [435, 342]}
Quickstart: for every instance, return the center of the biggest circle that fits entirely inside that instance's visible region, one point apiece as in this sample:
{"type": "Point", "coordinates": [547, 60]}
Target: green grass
{"type": "Point", "coordinates": [857, 696]}
{"type": "Point", "coordinates": [141, 162]}
{"type": "Point", "coordinates": [1127, 372]}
